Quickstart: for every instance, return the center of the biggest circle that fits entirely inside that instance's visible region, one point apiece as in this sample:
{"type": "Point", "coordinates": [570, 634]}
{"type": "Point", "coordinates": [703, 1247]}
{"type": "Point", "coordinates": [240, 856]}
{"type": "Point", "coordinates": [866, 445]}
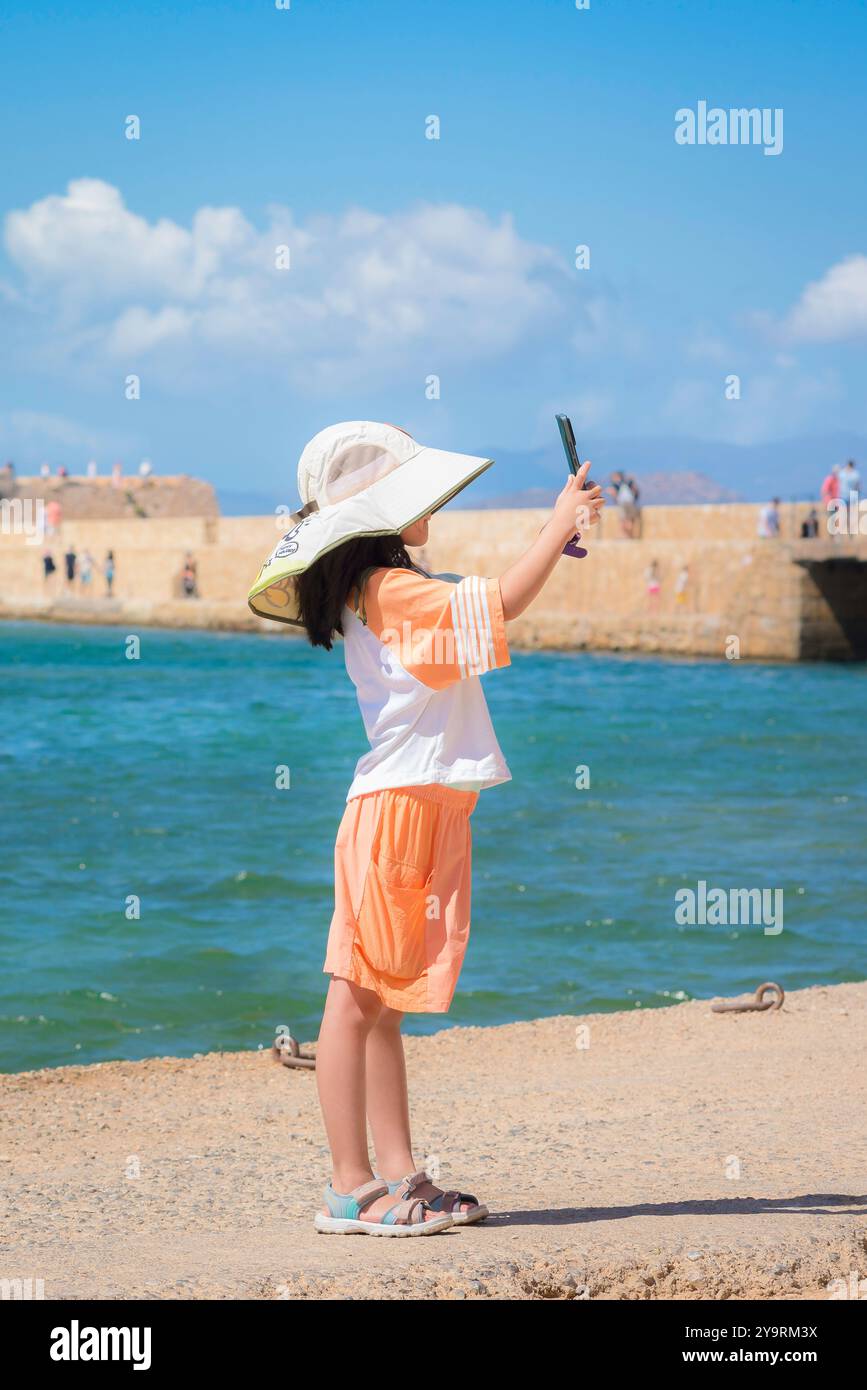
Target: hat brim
{"type": "Point", "coordinates": [417, 487]}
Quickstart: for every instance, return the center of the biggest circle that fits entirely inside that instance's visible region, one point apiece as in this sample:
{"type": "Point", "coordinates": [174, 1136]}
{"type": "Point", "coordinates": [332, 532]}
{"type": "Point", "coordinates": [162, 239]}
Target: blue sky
{"type": "Point", "coordinates": [413, 257]}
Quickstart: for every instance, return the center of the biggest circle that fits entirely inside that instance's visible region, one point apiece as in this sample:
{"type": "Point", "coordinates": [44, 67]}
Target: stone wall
{"type": "Point", "coordinates": [783, 599]}
{"type": "Point", "coordinates": [81, 497]}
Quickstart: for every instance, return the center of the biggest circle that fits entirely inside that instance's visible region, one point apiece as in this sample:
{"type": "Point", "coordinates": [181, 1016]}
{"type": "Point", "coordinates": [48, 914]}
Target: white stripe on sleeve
{"type": "Point", "coordinates": [472, 622]}
{"type": "Point", "coordinates": [483, 595]}
{"type": "Point", "coordinates": [459, 636]}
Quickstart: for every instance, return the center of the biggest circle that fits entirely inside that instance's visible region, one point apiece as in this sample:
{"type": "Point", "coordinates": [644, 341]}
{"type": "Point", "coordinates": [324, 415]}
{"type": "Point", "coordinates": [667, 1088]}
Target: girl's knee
{"type": "Point", "coordinates": [352, 1003]}
{"type": "Point", "coordinates": [390, 1018]}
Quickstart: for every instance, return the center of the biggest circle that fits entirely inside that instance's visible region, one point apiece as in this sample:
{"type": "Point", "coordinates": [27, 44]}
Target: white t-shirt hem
{"type": "Point", "coordinates": [362, 786]}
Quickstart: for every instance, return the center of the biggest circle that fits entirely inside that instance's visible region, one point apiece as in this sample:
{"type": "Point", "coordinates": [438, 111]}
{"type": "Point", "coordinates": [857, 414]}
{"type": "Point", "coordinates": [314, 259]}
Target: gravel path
{"type": "Point", "coordinates": [681, 1154]}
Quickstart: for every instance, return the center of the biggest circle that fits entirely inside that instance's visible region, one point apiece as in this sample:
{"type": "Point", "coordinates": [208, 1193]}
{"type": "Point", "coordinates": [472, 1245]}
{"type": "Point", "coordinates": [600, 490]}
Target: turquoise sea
{"type": "Point", "coordinates": [155, 778]}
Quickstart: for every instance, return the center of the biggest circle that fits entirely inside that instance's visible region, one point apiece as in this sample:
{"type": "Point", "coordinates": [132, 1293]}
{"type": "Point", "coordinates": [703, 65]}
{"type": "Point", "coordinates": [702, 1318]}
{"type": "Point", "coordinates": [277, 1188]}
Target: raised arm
{"type": "Point", "coordinates": [574, 510]}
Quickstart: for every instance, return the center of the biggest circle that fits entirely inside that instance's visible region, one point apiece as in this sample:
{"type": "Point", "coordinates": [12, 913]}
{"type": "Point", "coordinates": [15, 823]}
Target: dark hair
{"type": "Point", "coordinates": [324, 588]}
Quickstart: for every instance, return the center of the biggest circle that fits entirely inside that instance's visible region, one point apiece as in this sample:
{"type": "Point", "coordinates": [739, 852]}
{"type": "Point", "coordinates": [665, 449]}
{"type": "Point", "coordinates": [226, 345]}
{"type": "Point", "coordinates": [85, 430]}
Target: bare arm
{"type": "Point", "coordinates": [573, 510]}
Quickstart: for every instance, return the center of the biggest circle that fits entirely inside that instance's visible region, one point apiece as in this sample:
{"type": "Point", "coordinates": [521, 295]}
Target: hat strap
{"type": "Point", "coordinates": [360, 608]}
{"type": "Point", "coordinates": [306, 510]}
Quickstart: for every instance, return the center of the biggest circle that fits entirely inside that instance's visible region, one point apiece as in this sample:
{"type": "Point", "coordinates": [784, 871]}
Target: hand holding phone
{"type": "Point", "coordinates": [567, 435]}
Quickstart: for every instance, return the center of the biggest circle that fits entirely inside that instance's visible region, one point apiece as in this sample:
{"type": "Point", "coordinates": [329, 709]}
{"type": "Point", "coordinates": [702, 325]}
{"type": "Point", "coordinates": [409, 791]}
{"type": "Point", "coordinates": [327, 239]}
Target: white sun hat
{"type": "Point", "coordinates": [356, 479]}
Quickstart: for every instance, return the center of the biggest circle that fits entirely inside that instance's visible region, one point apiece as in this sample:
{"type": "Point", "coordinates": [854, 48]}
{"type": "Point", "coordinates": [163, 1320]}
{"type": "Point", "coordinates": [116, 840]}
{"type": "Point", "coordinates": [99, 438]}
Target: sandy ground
{"type": "Point", "coordinates": [682, 1154]}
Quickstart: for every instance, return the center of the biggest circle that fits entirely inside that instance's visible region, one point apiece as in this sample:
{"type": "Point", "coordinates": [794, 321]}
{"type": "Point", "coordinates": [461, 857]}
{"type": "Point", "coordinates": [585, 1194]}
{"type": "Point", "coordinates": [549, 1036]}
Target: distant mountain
{"type": "Point", "coordinates": [668, 469]}
{"type": "Point", "coordinates": [789, 469]}
{"type": "Point", "coordinates": [668, 488]}
{"type": "Point", "coordinates": [687, 487]}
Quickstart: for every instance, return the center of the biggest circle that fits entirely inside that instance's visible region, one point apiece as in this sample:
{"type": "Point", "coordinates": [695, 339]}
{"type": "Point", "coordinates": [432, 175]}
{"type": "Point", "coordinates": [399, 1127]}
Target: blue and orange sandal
{"type": "Point", "coordinates": [405, 1218]}
{"type": "Point", "coordinates": [448, 1202]}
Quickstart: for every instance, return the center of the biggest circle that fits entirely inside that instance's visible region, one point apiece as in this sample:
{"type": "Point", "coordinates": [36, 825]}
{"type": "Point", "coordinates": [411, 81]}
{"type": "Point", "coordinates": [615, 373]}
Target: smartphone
{"type": "Point", "coordinates": [567, 434]}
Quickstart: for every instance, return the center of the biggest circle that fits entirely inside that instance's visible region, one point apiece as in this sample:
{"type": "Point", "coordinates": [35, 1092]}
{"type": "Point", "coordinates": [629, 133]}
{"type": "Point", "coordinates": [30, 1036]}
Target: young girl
{"type": "Point", "coordinates": [415, 647]}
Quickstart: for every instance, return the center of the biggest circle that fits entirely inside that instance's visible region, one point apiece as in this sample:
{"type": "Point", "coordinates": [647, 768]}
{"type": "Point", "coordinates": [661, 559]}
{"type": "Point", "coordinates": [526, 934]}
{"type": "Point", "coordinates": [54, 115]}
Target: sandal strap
{"type": "Point", "coordinates": [348, 1205]}
{"type": "Point", "coordinates": [451, 1200]}
{"type": "Point", "coordinates": [443, 1202]}
{"type": "Point", "coordinates": [470, 1200]}
{"type": "Point", "coordinates": [408, 1185]}
{"type": "Point", "coordinates": [368, 1192]}
{"type": "Point", "coordinates": [407, 1213]}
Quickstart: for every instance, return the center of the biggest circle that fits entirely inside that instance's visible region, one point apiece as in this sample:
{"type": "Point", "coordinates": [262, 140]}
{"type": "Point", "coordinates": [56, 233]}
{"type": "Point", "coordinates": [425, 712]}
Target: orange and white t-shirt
{"type": "Point", "coordinates": [414, 652]}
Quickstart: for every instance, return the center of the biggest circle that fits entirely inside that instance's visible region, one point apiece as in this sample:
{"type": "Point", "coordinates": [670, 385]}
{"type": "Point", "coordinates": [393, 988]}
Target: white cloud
{"type": "Point", "coordinates": [87, 242]}
{"type": "Point", "coordinates": [833, 308]}
{"type": "Point", "coordinates": [375, 300]}
{"type": "Point", "coordinates": [136, 331]}
{"type": "Point", "coordinates": [444, 282]}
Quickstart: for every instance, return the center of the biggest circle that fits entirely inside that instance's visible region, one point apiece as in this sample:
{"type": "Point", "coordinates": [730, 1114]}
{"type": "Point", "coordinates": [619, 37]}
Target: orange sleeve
{"type": "Point", "coordinates": [439, 631]}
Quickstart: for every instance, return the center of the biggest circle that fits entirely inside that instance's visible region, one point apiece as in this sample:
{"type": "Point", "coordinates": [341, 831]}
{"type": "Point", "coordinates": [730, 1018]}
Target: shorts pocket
{"type": "Point", "coordinates": [393, 918]}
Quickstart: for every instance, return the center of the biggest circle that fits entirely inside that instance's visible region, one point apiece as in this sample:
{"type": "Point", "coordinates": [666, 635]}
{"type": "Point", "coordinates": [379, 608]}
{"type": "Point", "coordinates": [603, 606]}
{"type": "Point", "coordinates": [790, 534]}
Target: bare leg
{"type": "Point", "coordinates": [350, 1013]}
{"type": "Point", "coordinates": [351, 1016]}
{"type": "Point", "coordinates": [387, 1098]}
{"type": "Point", "coordinates": [388, 1103]}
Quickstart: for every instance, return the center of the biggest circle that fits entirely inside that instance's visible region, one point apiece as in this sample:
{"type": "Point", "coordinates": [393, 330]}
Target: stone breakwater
{"type": "Point", "coordinates": [82, 498]}
{"type": "Point", "coordinates": [722, 590]}
{"type": "Point", "coordinates": [674, 1153]}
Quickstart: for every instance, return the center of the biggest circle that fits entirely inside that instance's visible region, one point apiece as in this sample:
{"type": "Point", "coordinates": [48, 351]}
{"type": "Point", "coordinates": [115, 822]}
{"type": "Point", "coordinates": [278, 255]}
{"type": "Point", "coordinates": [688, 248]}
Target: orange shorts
{"type": "Point", "coordinates": [401, 920]}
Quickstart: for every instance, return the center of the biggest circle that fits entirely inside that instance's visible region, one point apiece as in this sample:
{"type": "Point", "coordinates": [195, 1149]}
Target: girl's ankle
{"type": "Point", "coordinates": [344, 1183]}
{"type": "Point", "coordinates": [396, 1173]}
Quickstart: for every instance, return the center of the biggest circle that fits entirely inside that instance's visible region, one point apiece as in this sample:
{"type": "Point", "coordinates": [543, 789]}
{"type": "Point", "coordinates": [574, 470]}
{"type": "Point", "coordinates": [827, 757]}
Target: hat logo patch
{"type": "Point", "coordinates": [288, 545]}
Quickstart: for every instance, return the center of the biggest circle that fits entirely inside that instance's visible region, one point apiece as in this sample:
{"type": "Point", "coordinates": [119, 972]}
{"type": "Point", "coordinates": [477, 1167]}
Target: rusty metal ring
{"type": "Point", "coordinates": [286, 1051]}
{"type": "Point", "coordinates": [758, 1004]}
